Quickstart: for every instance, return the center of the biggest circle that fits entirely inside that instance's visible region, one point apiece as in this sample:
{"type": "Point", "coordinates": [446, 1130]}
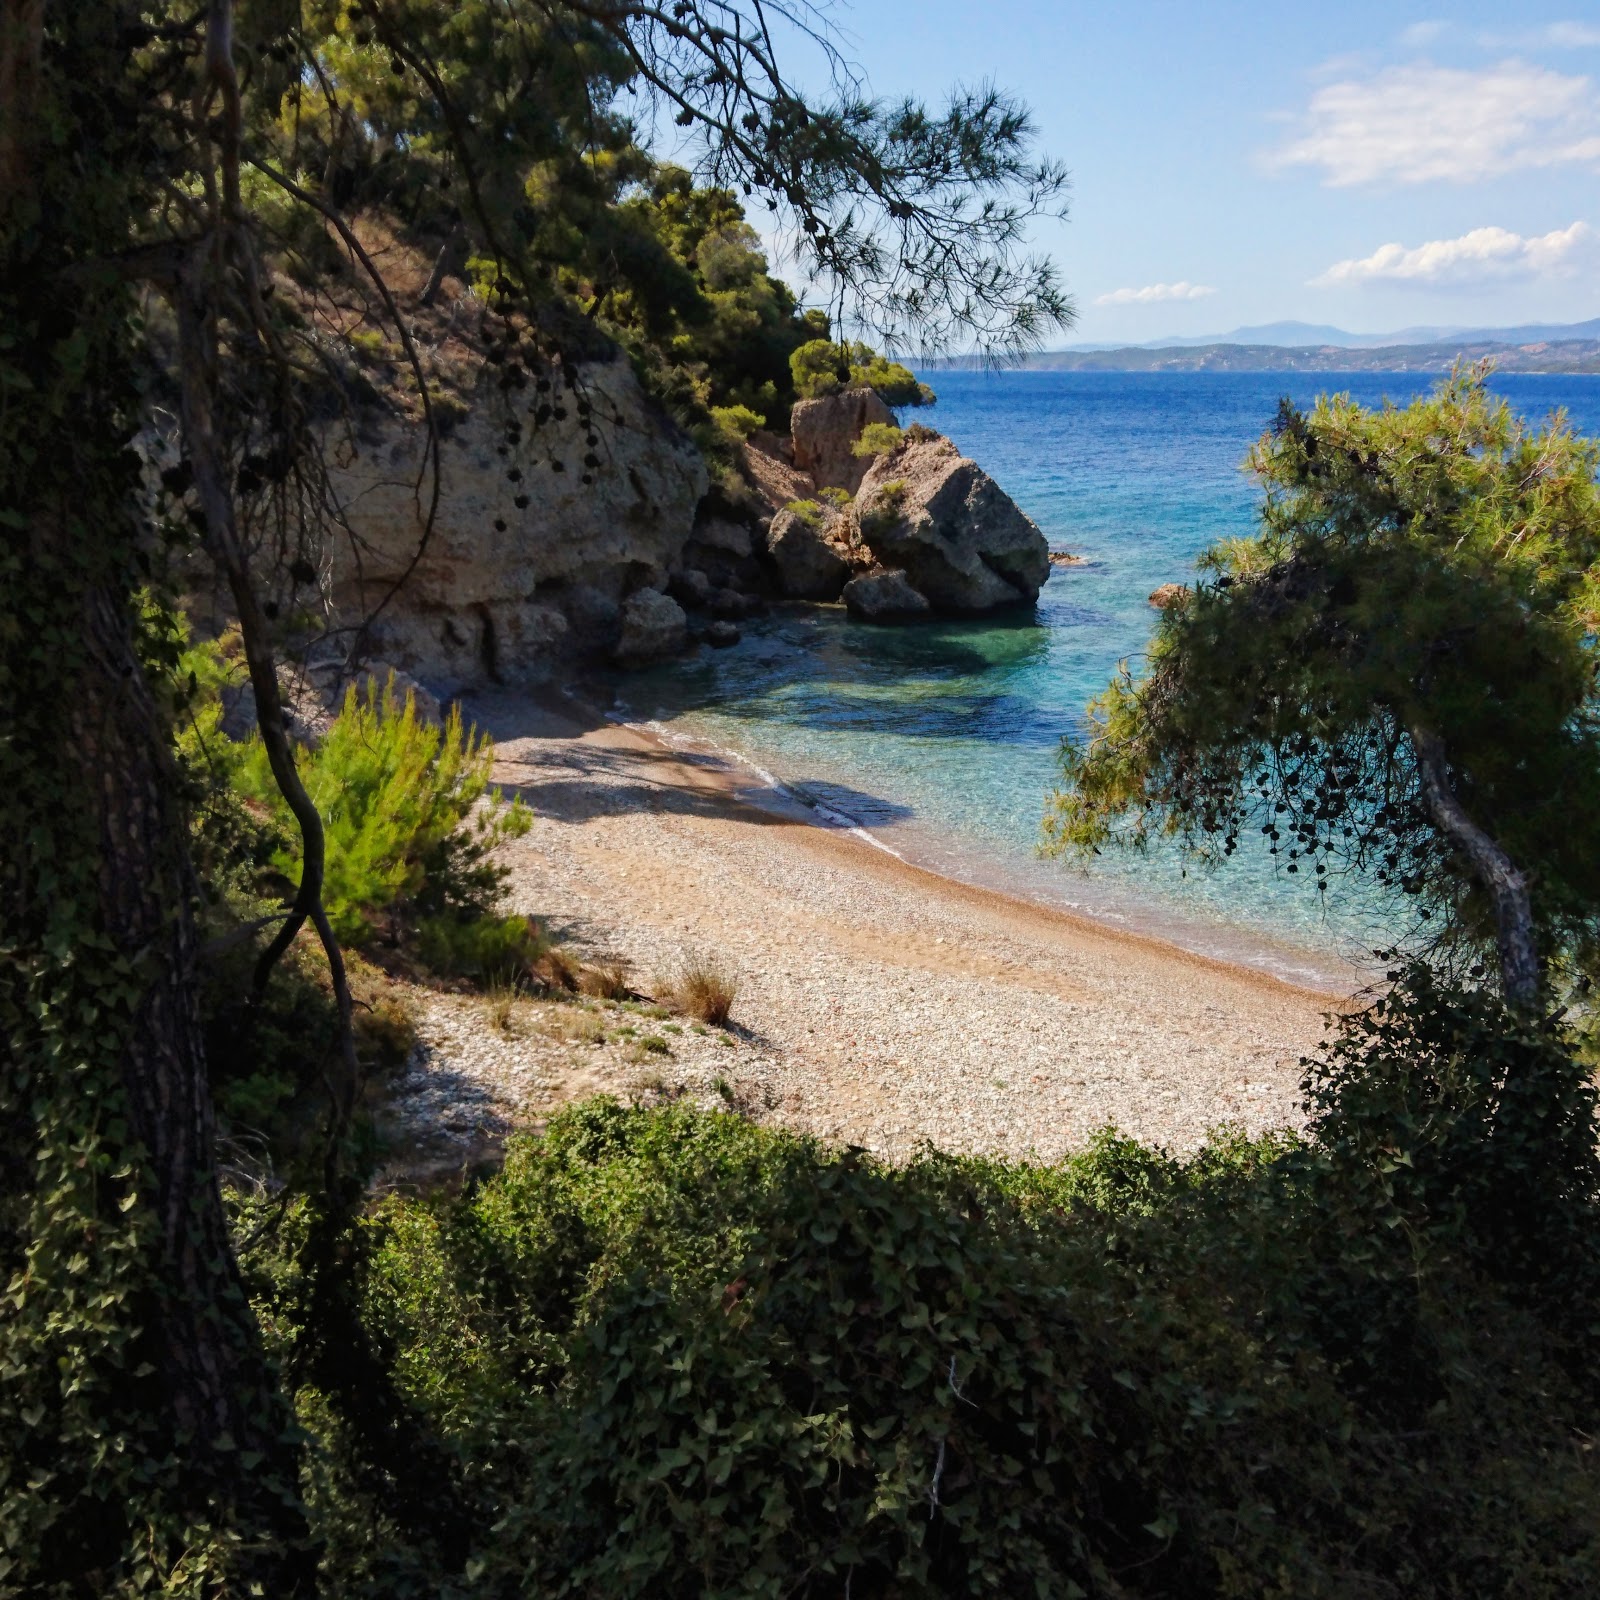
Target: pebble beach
{"type": "Point", "coordinates": [877, 1004]}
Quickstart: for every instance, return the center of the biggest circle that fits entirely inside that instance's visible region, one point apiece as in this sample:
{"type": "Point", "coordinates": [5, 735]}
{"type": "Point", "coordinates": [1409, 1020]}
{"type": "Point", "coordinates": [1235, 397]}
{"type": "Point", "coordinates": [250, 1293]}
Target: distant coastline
{"type": "Point", "coordinates": [1572, 357]}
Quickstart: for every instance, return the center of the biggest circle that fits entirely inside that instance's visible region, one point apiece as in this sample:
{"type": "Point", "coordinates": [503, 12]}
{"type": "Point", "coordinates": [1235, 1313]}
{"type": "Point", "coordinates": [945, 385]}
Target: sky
{"type": "Point", "coordinates": [1371, 166]}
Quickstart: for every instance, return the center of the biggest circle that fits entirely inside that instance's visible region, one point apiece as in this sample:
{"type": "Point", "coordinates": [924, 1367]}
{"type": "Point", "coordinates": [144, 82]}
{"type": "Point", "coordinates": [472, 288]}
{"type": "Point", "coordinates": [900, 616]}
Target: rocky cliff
{"type": "Point", "coordinates": [527, 566]}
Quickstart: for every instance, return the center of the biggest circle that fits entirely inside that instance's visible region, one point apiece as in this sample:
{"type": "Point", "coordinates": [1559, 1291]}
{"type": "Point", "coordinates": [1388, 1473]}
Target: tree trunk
{"type": "Point", "coordinates": [441, 265]}
{"type": "Point", "coordinates": [211, 1374]}
{"type": "Point", "coordinates": [1502, 880]}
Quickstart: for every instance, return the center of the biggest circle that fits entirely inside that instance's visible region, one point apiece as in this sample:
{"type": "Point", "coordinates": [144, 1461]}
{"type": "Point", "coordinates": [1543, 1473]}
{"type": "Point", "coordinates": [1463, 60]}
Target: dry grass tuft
{"type": "Point", "coordinates": [556, 970]}
{"type": "Point", "coordinates": [500, 1001]}
{"type": "Point", "coordinates": [605, 980]}
{"type": "Point", "coordinates": [705, 991]}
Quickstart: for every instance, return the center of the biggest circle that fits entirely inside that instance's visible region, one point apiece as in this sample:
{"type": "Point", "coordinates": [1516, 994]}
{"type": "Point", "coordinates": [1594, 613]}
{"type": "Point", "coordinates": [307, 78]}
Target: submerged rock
{"type": "Point", "coordinates": [825, 431]}
{"type": "Point", "coordinates": [961, 540]}
{"type": "Point", "coordinates": [653, 628]}
{"type": "Point", "coordinates": [722, 634]}
{"type": "Point", "coordinates": [809, 566]}
{"type": "Point", "coordinates": [884, 597]}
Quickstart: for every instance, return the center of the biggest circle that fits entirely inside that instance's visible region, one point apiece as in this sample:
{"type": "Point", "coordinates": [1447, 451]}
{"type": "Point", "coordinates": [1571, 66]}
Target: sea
{"type": "Point", "coordinates": [940, 742]}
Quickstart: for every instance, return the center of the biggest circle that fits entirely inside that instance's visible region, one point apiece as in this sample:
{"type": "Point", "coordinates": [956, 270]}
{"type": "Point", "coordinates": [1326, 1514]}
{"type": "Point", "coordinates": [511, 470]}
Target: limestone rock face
{"type": "Point", "coordinates": [884, 597]}
{"type": "Point", "coordinates": [809, 567]}
{"type": "Point", "coordinates": [960, 539]}
{"type": "Point", "coordinates": [489, 605]}
{"type": "Point", "coordinates": [824, 430]}
{"type": "Point", "coordinates": [653, 628]}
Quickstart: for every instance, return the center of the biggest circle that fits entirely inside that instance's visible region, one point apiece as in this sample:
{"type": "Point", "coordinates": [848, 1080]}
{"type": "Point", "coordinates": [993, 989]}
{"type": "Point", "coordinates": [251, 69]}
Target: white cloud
{"type": "Point", "coordinates": [1552, 36]}
{"type": "Point", "coordinates": [1422, 33]}
{"type": "Point", "coordinates": [1423, 123]}
{"type": "Point", "coordinates": [1485, 255]}
{"type": "Point", "coordinates": [1154, 291]}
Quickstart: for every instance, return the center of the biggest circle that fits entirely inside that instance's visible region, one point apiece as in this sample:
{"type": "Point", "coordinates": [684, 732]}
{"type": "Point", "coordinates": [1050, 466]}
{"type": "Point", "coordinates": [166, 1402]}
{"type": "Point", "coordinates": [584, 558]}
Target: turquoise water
{"type": "Point", "coordinates": [941, 740]}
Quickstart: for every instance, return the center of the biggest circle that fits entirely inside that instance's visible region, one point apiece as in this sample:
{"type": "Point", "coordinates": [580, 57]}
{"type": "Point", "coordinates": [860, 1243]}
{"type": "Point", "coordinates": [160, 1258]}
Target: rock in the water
{"type": "Point", "coordinates": [525, 567]}
{"type": "Point", "coordinates": [961, 539]}
{"type": "Point", "coordinates": [825, 431]}
{"type": "Point", "coordinates": [722, 634]}
{"type": "Point", "coordinates": [884, 597]}
{"type": "Point", "coordinates": [653, 628]}
{"type": "Point", "coordinates": [809, 567]}
{"type": "Point", "coordinates": [1169, 595]}
{"type": "Point", "coordinates": [691, 587]}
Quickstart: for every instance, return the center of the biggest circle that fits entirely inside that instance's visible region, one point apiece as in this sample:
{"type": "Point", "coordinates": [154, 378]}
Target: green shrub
{"type": "Point", "coordinates": [395, 796]}
{"type": "Point", "coordinates": [810, 512]}
{"type": "Point", "coordinates": [736, 423]}
{"type": "Point", "coordinates": [678, 1354]}
{"type": "Point", "coordinates": [878, 439]}
{"type": "Point", "coordinates": [491, 950]}
{"type": "Point", "coordinates": [831, 494]}
{"type": "Point", "coordinates": [822, 367]}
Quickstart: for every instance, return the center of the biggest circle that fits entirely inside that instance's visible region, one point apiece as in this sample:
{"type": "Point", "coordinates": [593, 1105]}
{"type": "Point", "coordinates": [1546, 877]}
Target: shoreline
{"type": "Point", "coordinates": [879, 1003]}
{"type": "Point", "coordinates": [814, 816]}
{"type": "Point", "coordinates": [1254, 951]}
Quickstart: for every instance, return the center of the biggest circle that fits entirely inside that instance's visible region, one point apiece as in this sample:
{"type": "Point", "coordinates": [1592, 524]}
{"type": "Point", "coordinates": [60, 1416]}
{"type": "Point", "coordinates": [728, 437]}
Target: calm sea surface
{"type": "Point", "coordinates": [940, 741]}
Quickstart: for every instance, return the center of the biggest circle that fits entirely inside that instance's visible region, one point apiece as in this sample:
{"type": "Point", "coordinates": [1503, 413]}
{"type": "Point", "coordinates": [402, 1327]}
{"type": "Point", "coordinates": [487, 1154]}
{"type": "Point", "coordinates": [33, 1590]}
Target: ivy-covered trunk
{"type": "Point", "coordinates": [140, 1425]}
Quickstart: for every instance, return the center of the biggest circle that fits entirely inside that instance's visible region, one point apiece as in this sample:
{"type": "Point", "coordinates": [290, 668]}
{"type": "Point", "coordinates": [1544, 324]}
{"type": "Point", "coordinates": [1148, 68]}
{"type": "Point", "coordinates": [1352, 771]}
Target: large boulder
{"type": "Point", "coordinates": [653, 628]}
{"type": "Point", "coordinates": [959, 537]}
{"type": "Point", "coordinates": [825, 431]}
{"type": "Point", "coordinates": [502, 592]}
{"type": "Point", "coordinates": [884, 597]}
{"type": "Point", "coordinates": [810, 566]}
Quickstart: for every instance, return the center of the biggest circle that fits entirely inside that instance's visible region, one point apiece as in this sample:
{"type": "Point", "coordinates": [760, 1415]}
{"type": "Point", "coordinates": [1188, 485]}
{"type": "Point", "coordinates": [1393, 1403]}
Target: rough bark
{"type": "Point", "coordinates": [1502, 880]}
{"type": "Point", "coordinates": [212, 1375]}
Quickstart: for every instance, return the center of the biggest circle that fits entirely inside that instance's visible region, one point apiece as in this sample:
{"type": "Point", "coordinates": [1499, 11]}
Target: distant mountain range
{"type": "Point", "coordinates": [1300, 335]}
{"type": "Point", "coordinates": [1305, 347]}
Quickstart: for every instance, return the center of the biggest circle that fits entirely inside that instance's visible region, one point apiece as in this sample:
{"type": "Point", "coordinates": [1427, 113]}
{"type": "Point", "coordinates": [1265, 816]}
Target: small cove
{"type": "Point", "coordinates": [940, 741]}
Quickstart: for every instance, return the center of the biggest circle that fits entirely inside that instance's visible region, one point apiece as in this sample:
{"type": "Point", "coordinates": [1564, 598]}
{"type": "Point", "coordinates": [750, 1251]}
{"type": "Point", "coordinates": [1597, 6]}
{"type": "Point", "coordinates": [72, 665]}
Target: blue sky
{"type": "Point", "coordinates": [1372, 166]}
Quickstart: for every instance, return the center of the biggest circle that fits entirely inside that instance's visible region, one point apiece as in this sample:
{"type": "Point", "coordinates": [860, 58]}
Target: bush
{"type": "Point", "coordinates": [491, 950]}
{"type": "Point", "coordinates": [822, 367]}
{"type": "Point", "coordinates": [810, 512]}
{"type": "Point", "coordinates": [678, 1354]}
{"type": "Point", "coordinates": [736, 423]}
{"type": "Point", "coordinates": [878, 439]}
{"type": "Point", "coordinates": [705, 991]}
{"type": "Point", "coordinates": [394, 793]}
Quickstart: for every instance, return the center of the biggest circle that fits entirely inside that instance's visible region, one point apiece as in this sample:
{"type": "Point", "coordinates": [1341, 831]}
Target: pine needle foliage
{"type": "Point", "coordinates": [400, 799]}
{"type": "Point", "coordinates": [1396, 675]}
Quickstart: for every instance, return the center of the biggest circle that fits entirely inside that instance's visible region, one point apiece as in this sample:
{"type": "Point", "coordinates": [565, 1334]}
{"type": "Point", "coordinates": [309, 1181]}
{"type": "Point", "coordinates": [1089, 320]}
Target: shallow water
{"type": "Point", "coordinates": [940, 740]}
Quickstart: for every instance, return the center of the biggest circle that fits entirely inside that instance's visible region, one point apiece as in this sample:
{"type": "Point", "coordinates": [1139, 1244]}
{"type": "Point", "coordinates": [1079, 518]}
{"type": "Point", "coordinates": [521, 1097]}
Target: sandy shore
{"type": "Point", "coordinates": [877, 1003]}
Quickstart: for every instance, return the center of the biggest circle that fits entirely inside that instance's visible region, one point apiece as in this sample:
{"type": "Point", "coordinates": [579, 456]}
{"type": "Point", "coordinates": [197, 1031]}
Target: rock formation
{"type": "Point", "coordinates": [809, 562]}
{"type": "Point", "coordinates": [1169, 595]}
{"type": "Point", "coordinates": [504, 591]}
{"type": "Point", "coordinates": [653, 627]}
{"type": "Point", "coordinates": [824, 432]}
{"type": "Point", "coordinates": [884, 597]}
{"type": "Point", "coordinates": [960, 539]}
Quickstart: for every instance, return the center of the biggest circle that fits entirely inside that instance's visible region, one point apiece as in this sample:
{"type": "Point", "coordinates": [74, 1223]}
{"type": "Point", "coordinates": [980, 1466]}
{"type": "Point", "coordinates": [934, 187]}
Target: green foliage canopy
{"type": "Point", "coordinates": [1396, 675]}
{"type": "Point", "coordinates": [823, 367]}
